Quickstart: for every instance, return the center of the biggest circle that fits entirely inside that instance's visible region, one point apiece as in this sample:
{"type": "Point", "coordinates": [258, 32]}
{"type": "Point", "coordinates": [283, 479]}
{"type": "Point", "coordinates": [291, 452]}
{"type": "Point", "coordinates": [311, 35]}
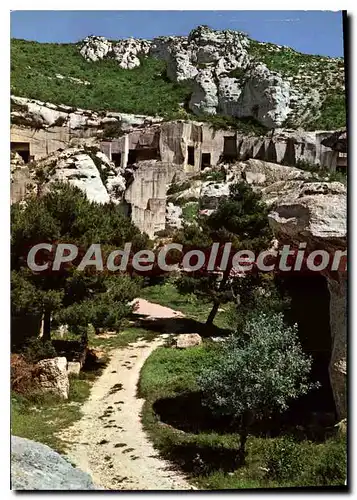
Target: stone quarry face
{"type": "Point", "coordinates": [316, 213]}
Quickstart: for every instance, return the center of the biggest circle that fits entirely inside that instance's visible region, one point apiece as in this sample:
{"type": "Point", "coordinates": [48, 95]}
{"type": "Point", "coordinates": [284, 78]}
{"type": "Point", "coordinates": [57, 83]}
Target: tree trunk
{"type": "Point", "coordinates": [243, 440]}
{"type": "Point", "coordinates": [46, 326]}
{"type": "Point", "coordinates": [216, 304]}
{"type": "Point", "coordinates": [212, 314]}
{"type": "Point", "coordinates": [244, 426]}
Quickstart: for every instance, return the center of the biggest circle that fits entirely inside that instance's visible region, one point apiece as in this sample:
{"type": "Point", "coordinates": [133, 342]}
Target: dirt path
{"type": "Point", "coordinates": [109, 441]}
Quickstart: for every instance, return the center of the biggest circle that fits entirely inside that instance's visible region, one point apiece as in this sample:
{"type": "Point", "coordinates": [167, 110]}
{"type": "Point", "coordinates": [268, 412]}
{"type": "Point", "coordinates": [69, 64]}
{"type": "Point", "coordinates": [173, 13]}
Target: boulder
{"type": "Point", "coordinates": [185, 340]}
{"type": "Point", "coordinates": [73, 367]}
{"type": "Point", "coordinates": [126, 52]}
{"type": "Point", "coordinates": [35, 466]}
{"type": "Point", "coordinates": [53, 377]}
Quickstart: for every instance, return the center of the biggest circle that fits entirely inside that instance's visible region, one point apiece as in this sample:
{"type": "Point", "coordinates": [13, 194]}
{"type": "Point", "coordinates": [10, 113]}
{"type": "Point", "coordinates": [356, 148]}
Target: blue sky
{"type": "Point", "coordinates": [314, 32]}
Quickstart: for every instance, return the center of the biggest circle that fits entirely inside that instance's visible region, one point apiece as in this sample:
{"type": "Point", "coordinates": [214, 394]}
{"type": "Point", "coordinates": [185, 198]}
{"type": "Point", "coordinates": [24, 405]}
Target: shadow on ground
{"type": "Point", "coordinates": [187, 413]}
{"type": "Point", "coordinates": [178, 325]}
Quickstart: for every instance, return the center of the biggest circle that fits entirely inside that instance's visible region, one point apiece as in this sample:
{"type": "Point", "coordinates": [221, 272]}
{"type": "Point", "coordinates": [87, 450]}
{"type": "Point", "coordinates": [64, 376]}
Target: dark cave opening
{"type": "Point", "coordinates": [310, 309]}
{"type": "Point", "coordinates": [23, 149]}
{"type": "Point", "coordinates": [190, 155]}
{"type": "Point", "coordinates": [142, 154]}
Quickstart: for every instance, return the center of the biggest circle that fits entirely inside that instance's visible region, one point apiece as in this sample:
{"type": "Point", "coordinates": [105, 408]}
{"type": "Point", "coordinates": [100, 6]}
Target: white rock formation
{"type": "Point", "coordinates": [126, 52]}
{"type": "Point", "coordinates": [31, 112]}
{"type": "Point", "coordinates": [53, 376]}
{"type": "Point", "coordinates": [95, 48]}
{"type": "Point", "coordinates": [227, 76]}
{"type": "Point", "coordinates": [173, 216]}
{"type": "Point", "coordinates": [85, 168]}
{"type": "Point", "coordinates": [265, 96]}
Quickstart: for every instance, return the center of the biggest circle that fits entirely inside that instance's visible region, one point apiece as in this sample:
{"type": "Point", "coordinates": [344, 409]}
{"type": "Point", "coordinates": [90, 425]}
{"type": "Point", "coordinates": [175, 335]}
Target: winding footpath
{"type": "Point", "coordinates": [109, 442]}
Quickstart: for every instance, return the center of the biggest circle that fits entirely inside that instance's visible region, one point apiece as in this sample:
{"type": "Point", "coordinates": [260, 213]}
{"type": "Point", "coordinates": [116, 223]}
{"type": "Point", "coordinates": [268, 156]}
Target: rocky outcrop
{"type": "Point", "coordinates": [35, 466]}
{"type": "Point", "coordinates": [173, 216]}
{"type": "Point", "coordinates": [88, 169]}
{"type": "Point", "coordinates": [228, 76]}
{"type": "Point", "coordinates": [38, 114]}
{"type": "Point", "coordinates": [316, 213]}
{"type": "Point", "coordinates": [126, 52]}
{"type": "Point", "coordinates": [52, 377]}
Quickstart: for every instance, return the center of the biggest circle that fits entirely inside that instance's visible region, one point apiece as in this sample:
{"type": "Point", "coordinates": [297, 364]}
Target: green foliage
{"type": "Point", "coordinates": [247, 125]}
{"type": "Point", "coordinates": [306, 464]}
{"type": "Point", "coordinates": [284, 459]}
{"type": "Point", "coordinates": [171, 373]}
{"type": "Point", "coordinates": [242, 220]}
{"type": "Point", "coordinates": [190, 212]}
{"type": "Point", "coordinates": [175, 370]}
{"type": "Point", "coordinates": [146, 89]}
{"type": "Point", "coordinates": [213, 175]}
{"type": "Point", "coordinates": [190, 304]}
{"type": "Point", "coordinates": [260, 371]}
{"type": "Point", "coordinates": [332, 114]}
{"type": "Point", "coordinates": [43, 416]}
{"type": "Point", "coordinates": [75, 297]}
{"type": "Point", "coordinates": [140, 90]}
{"type": "Point", "coordinates": [35, 350]}
{"type": "Point", "coordinates": [322, 174]}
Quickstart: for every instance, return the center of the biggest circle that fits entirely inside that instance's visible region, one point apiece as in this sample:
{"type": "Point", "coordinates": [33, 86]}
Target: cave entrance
{"type": "Point", "coordinates": [191, 156]}
{"type": "Point", "coordinates": [230, 150]}
{"type": "Point", "coordinates": [205, 160]}
{"type": "Point", "coordinates": [116, 158]}
{"type": "Point", "coordinates": [23, 149]}
{"type": "Point", "coordinates": [142, 154]}
{"type": "Point", "coordinates": [310, 309]}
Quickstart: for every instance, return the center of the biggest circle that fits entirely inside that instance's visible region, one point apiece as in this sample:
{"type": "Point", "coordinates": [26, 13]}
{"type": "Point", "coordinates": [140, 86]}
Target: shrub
{"type": "Point", "coordinates": [285, 459]}
{"type": "Point", "coordinates": [35, 350]}
{"type": "Point", "coordinates": [260, 371]}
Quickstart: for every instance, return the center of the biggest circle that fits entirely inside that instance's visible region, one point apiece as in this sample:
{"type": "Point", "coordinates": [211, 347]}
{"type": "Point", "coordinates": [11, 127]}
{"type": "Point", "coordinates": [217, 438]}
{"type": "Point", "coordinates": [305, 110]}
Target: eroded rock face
{"type": "Point", "coordinates": [316, 213]}
{"type": "Point", "coordinates": [88, 169]}
{"type": "Point", "coordinates": [53, 377]}
{"type": "Point", "coordinates": [126, 52]}
{"type": "Point", "coordinates": [38, 114]}
{"type": "Point", "coordinates": [35, 466]}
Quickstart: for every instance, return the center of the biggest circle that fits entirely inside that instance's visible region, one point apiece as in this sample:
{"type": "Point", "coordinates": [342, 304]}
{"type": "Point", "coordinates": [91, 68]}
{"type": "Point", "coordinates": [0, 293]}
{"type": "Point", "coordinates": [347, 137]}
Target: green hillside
{"type": "Point", "coordinates": [147, 90]}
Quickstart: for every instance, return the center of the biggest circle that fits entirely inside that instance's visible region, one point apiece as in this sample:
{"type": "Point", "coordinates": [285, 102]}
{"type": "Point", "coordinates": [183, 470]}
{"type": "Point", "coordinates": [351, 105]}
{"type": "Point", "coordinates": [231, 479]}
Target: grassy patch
{"type": "Point", "coordinates": [42, 418]}
{"type": "Point", "coordinates": [190, 212]}
{"type": "Point", "coordinates": [167, 295]}
{"type": "Point", "coordinates": [121, 339]}
{"type": "Point", "coordinates": [141, 90]}
{"type": "Point", "coordinates": [209, 456]}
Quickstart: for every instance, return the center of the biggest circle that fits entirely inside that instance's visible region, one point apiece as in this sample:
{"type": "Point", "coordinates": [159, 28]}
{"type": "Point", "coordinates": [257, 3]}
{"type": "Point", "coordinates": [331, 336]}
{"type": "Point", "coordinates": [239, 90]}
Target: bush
{"type": "Point", "coordinates": [285, 459]}
{"type": "Point", "coordinates": [330, 466]}
{"type": "Point", "coordinates": [35, 350]}
{"type": "Point", "coordinates": [259, 372]}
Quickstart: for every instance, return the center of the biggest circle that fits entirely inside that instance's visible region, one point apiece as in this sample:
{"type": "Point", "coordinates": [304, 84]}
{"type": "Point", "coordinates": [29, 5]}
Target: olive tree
{"type": "Point", "coordinates": [257, 372]}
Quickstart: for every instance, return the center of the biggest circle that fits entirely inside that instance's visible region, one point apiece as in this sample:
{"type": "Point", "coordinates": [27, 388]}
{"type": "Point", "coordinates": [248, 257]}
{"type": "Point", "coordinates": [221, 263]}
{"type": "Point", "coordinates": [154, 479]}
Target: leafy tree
{"type": "Point", "coordinates": [257, 373]}
{"type": "Point", "coordinates": [78, 297]}
{"type": "Point", "coordinates": [242, 220]}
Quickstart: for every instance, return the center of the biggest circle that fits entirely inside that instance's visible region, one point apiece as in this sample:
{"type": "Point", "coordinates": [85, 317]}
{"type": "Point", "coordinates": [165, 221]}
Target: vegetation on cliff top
{"type": "Point", "coordinates": [103, 85]}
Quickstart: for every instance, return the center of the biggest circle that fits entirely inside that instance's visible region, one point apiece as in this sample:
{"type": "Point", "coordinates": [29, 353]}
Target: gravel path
{"type": "Point", "coordinates": [109, 442]}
